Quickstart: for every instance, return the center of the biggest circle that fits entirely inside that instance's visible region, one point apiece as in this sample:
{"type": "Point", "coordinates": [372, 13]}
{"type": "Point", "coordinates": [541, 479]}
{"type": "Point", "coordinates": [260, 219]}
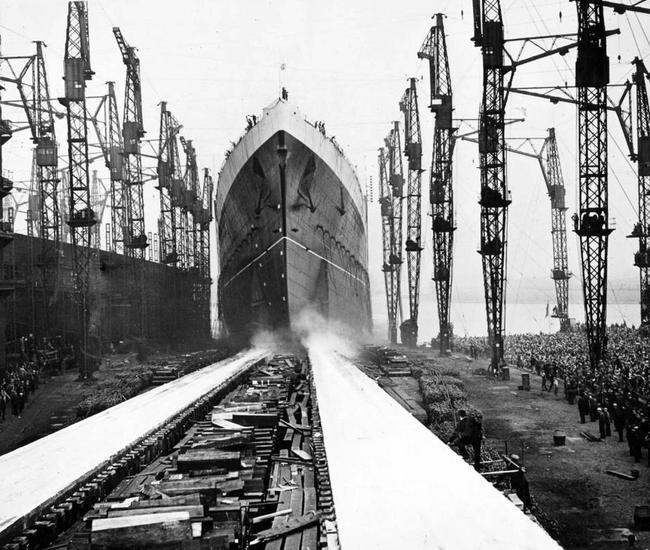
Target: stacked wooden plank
{"type": "Point", "coordinates": [293, 480]}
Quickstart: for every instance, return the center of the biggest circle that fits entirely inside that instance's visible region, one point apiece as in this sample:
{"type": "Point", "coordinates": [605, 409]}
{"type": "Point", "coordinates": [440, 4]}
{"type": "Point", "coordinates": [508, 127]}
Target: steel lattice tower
{"type": "Point", "coordinates": [191, 179]}
{"type": "Point", "coordinates": [642, 257]}
{"type": "Point", "coordinates": [557, 193]}
{"type": "Point", "coordinates": [441, 193]}
{"type": "Point", "coordinates": [390, 267]}
{"type": "Point", "coordinates": [110, 140]}
{"type": "Point", "coordinates": [178, 196]}
{"type": "Point", "coordinates": [413, 246]}
{"type": "Point", "coordinates": [116, 167]}
{"type": "Point", "coordinates": [135, 237]}
{"type": "Point", "coordinates": [203, 218]}
{"type": "Point", "coordinates": [592, 221]}
{"type": "Point", "coordinates": [46, 161]}
{"type": "Point", "coordinates": [168, 129]}
{"type": "Point", "coordinates": [44, 208]}
{"type": "Point", "coordinates": [396, 182]}
{"type": "Point", "coordinates": [495, 197]}
{"type": "Point", "coordinates": [81, 216]}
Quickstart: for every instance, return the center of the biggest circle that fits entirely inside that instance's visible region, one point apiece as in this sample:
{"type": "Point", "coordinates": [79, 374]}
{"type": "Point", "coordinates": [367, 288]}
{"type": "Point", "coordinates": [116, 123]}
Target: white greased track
{"type": "Point", "coordinates": [396, 485]}
{"type": "Point", "coordinates": [32, 475]}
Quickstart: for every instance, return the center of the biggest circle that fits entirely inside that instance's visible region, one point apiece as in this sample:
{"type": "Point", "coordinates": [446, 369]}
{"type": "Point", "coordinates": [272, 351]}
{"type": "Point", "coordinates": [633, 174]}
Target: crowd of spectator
{"type": "Point", "coordinates": [616, 392]}
{"type": "Point", "coordinates": [29, 361]}
{"type": "Point", "coordinates": [15, 387]}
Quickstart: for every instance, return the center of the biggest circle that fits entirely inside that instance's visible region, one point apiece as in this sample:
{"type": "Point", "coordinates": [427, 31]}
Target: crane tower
{"type": "Point", "coordinates": [441, 194]}
{"type": "Point", "coordinates": [413, 246]}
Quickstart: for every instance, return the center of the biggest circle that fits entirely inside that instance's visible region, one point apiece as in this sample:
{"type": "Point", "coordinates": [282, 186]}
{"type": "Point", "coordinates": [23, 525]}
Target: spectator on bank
{"type": "Point", "coordinates": [608, 422]}
{"type": "Point", "coordinates": [462, 434]}
{"type": "Point", "coordinates": [469, 431]}
{"type": "Point", "coordinates": [636, 442]}
{"type": "Point", "coordinates": [622, 377]}
{"type": "Point", "coordinates": [583, 407]}
{"type": "Point", "coordinates": [519, 483]}
{"type": "Point", "coordinates": [618, 416]}
{"type": "Point", "coordinates": [601, 423]}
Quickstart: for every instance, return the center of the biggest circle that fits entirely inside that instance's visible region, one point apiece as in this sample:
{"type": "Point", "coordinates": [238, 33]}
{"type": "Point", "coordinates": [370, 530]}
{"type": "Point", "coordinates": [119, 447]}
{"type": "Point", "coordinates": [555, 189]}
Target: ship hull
{"type": "Point", "coordinates": [172, 313]}
{"type": "Point", "coordinates": [292, 241]}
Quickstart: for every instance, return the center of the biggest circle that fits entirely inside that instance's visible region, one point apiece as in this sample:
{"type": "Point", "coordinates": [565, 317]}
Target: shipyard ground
{"type": "Point", "coordinates": [569, 483]}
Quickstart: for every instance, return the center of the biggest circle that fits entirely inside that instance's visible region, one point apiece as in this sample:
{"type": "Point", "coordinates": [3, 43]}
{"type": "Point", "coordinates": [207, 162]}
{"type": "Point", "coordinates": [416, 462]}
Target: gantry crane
{"type": "Point", "coordinates": [441, 194]}
{"type": "Point", "coordinates": [191, 184]}
{"type": "Point", "coordinates": [549, 161]}
{"type": "Point", "coordinates": [109, 133]}
{"type": "Point", "coordinates": [495, 196]}
{"type": "Point", "coordinates": [167, 221]}
{"type": "Point", "coordinates": [202, 218]}
{"type": "Point", "coordinates": [32, 84]}
{"type": "Point", "coordinates": [6, 234]}
{"type": "Point", "coordinates": [396, 183]}
{"type": "Point", "coordinates": [413, 246]}
{"type": "Point", "coordinates": [135, 238]}
{"type": "Point", "coordinates": [560, 273]}
{"type": "Point", "coordinates": [113, 149]}
{"type": "Point", "coordinates": [592, 221]}
{"type": "Point", "coordinates": [178, 202]}
{"type": "Point", "coordinates": [642, 229]}
{"type": "Point", "coordinates": [390, 267]}
{"type": "Point", "coordinates": [81, 216]}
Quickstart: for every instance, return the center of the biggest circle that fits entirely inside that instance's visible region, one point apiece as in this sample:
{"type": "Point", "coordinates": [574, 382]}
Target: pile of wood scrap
{"type": "Point", "coordinates": [213, 481]}
{"type": "Point", "coordinates": [245, 472]}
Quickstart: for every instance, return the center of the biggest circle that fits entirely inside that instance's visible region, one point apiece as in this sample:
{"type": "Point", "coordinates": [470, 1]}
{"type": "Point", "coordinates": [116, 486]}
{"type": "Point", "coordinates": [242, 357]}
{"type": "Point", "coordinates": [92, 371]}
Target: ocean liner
{"type": "Point", "coordinates": [291, 223]}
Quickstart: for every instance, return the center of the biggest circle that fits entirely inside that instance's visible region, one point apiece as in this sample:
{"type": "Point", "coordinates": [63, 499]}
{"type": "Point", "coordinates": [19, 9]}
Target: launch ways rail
{"type": "Point", "coordinates": [37, 475]}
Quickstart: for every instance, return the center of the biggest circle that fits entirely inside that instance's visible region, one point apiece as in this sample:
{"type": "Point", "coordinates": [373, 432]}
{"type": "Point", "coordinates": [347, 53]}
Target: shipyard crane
{"type": "Point", "coordinates": [642, 229]}
{"type": "Point", "coordinates": [178, 202]}
{"type": "Point", "coordinates": [592, 221]}
{"type": "Point", "coordinates": [167, 221]}
{"type": "Point", "coordinates": [191, 180]}
{"type": "Point", "coordinates": [548, 159]}
{"type": "Point", "coordinates": [99, 195]}
{"type": "Point", "coordinates": [413, 246]}
{"type": "Point", "coordinates": [64, 204]}
{"type": "Point", "coordinates": [135, 237]}
{"type": "Point", "coordinates": [81, 216]}
{"type": "Point", "coordinates": [6, 233]}
{"type": "Point", "coordinates": [441, 194]}
{"type": "Point", "coordinates": [390, 268]}
{"type": "Point", "coordinates": [32, 84]}
{"type": "Point", "coordinates": [33, 206]}
{"type": "Point", "coordinates": [552, 170]}
{"type": "Point", "coordinates": [396, 183]}
{"type": "Point", "coordinates": [203, 218]}
{"type": "Point", "coordinates": [495, 196]}
{"type": "Point", "coordinates": [113, 150]}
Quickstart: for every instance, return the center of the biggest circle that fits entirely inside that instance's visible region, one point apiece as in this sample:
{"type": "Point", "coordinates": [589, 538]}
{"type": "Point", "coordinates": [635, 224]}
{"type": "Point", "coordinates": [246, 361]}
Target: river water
{"type": "Point", "coordinates": [469, 318]}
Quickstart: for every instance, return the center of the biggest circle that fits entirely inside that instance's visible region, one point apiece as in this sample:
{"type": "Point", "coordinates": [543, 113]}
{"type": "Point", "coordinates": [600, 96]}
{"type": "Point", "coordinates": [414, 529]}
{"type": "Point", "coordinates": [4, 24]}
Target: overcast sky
{"type": "Point", "coordinates": [346, 63]}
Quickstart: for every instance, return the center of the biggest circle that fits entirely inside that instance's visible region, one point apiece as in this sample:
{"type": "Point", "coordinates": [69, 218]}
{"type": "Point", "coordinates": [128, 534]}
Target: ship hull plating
{"type": "Point", "coordinates": [292, 241]}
